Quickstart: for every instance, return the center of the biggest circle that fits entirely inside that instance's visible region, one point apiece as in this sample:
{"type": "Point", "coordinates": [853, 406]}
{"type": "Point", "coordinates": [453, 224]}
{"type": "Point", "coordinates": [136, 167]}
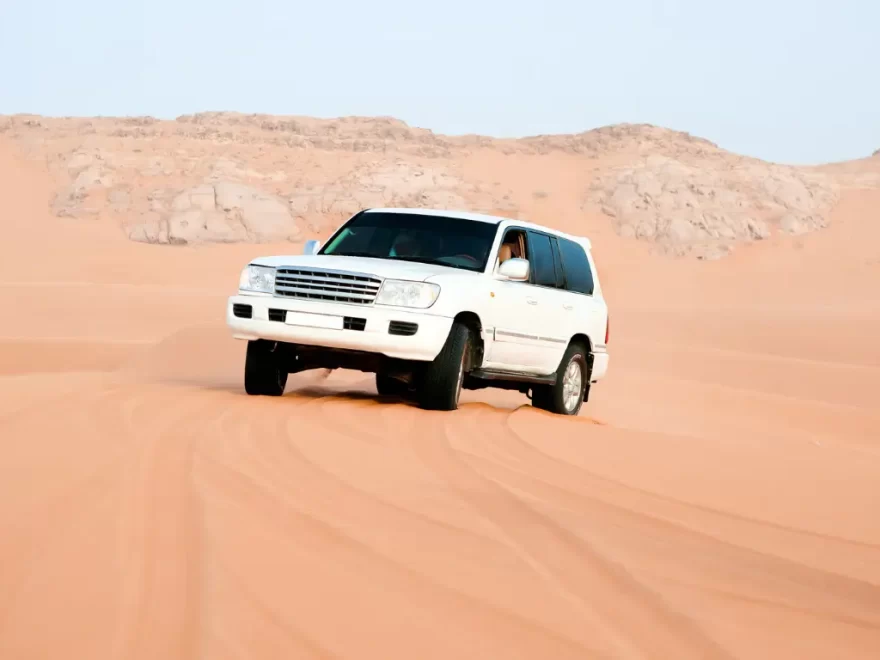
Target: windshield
{"type": "Point", "coordinates": [432, 239]}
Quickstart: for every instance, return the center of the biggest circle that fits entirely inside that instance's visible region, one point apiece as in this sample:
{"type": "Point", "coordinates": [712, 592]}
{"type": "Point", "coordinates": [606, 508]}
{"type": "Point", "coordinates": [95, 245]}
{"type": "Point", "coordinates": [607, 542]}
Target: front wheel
{"type": "Point", "coordinates": [263, 372]}
{"type": "Point", "coordinates": [566, 395]}
{"type": "Point", "coordinates": [440, 386]}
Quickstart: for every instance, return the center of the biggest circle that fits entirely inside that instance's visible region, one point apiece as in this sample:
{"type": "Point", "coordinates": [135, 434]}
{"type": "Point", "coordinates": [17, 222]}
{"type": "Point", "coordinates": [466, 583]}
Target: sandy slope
{"type": "Point", "coordinates": [718, 496]}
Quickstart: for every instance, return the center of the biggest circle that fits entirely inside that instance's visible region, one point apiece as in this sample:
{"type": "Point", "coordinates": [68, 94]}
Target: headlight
{"type": "Point", "coordinates": [401, 293]}
{"type": "Point", "coordinates": [257, 278]}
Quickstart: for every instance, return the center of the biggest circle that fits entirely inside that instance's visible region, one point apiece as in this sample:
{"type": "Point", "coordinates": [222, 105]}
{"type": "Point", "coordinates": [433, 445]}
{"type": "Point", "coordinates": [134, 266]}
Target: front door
{"type": "Point", "coordinates": [529, 318]}
{"type": "Point", "coordinates": [513, 347]}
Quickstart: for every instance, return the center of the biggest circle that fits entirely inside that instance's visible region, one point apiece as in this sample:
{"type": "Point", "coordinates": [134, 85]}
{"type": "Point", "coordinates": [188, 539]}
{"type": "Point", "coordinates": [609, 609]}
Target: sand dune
{"type": "Point", "coordinates": [716, 498]}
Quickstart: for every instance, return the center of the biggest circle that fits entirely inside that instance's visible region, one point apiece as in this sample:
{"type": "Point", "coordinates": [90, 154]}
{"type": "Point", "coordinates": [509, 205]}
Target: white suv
{"type": "Point", "coordinates": [431, 302]}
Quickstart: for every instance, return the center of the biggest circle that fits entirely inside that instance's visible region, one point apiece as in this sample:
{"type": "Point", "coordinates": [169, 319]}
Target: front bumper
{"type": "Point", "coordinates": [375, 337]}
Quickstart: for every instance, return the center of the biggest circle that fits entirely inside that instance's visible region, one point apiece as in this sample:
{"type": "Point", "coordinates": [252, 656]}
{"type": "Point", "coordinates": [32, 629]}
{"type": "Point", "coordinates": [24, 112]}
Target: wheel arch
{"type": "Point", "coordinates": [581, 338]}
{"type": "Point", "coordinates": [584, 340]}
{"type": "Point", "coordinates": [475, 324]}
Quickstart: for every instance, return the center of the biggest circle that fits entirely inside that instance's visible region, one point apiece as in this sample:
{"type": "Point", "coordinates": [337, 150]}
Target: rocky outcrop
{"type": "Point", "coordinates": [704, 206]}
{"type": "Point", "coordinates": [619, 138]}
{"type": "Point", "coordinates": [226, 211]}
{"type": "Point", "coordinates": [400, 184]}
{"type": "Point", "coordinates": [74, 199]}
{"type": "Point", "coordinates": [225, 176]}
{"type": "Point", "coordinates": [220, 212]}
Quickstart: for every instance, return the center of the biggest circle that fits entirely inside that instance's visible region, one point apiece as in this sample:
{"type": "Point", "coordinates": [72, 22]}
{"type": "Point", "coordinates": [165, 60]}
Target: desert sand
{"type": "Point", "coordinates": [718, 497]}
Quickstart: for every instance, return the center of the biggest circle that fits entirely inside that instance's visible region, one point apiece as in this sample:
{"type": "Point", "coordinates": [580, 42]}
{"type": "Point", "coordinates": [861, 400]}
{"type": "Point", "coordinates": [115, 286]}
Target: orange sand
{"type": "Point", "coordinates": [718, 497]}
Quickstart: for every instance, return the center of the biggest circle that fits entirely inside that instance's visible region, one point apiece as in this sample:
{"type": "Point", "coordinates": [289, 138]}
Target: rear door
{"type": "Point", "coordinates": [551, 323]}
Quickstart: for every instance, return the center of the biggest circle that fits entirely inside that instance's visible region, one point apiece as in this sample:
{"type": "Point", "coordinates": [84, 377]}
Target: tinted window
{"type": "Point", "coordinates": [541, 258]}
{"type": "Point", "coordinates": [578, 276]}
{"type": "Point", "coordinates": [557, 260]}
{"type": "Point", "coordinates": [432, 239]}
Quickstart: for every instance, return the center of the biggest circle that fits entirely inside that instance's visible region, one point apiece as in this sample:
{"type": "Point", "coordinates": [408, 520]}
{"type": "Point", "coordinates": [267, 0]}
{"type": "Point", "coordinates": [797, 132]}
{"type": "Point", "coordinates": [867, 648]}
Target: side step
{"type": "Point", "coordinates": [491, 374]}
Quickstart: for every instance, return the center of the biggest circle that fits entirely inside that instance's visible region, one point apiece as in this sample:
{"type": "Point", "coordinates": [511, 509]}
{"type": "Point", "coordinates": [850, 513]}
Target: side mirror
{"type": "Point", "coordinates": [312, 246]}
{"type": "Point", "coordinates": [515, 269]}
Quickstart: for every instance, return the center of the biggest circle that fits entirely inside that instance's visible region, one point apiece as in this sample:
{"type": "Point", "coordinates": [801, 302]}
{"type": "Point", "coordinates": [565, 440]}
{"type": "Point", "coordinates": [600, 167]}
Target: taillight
{"type": "Point", "coordinates": [607, 327]}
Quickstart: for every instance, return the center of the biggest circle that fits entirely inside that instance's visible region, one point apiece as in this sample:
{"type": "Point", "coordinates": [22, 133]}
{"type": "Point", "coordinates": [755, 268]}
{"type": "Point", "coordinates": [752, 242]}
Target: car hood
{"type": "Point", "coordinates": [384, 268]}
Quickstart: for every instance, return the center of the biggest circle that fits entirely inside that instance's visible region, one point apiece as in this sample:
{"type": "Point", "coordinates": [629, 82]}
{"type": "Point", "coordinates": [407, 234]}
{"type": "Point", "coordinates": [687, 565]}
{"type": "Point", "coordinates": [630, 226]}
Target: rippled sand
{"type": "Point", "coordinates": [718, 496]}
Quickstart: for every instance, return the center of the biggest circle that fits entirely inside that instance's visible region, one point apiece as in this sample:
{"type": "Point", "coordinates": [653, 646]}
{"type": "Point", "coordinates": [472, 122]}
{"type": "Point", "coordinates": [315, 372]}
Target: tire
{"type": "Point", "coordinates": [387, 386]}
{"type": "Point", "coordinates": [556, 398]}
{"type": "Point", "coordinates": [440, 386]}
{"type": "Point", "coordinates": [263, 374]}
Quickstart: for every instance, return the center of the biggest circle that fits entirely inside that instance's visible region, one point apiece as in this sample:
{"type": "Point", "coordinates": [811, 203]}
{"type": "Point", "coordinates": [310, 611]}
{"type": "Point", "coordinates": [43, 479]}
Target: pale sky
{"type": "Point", "coordinates": [794, 81]}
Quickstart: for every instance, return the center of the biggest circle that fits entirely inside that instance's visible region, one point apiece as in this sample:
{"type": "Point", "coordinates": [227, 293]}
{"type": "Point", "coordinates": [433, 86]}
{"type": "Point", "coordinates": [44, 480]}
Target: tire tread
{"type": "Point", "coordinates": [263, 375]}
{"type": "Point", "coordinates": [549, 397]}
{"type": "Point", "coordinates": [439, 385]}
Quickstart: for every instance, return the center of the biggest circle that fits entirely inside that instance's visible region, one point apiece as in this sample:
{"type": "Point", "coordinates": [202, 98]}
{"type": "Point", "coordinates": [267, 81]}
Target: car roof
{"type": "Point", "coordinates": [463, 215]}
{"type": "Point", "coordinates": [481, 217]}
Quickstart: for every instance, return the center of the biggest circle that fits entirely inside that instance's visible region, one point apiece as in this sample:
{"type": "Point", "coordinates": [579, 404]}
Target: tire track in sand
{"type": "Point", "coordinates": [33, 528]}
{"type": "Point", "coordinates": [634, 620]}
{"type": "Point", "coordinates": [541, 464]}
{"type": "Point", "coordinates": [304, 535]}
{"type": "Point", "coordinates": [295, 501]}
{"type": "Point", "coordinates": [670, 542]}
{"type": "Point", "coordinates": [159, 526]}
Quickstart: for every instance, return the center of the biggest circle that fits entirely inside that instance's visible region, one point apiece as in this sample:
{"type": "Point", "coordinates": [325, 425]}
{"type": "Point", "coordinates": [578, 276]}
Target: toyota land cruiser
{"type": "Point", "coordinates": [431, 302]}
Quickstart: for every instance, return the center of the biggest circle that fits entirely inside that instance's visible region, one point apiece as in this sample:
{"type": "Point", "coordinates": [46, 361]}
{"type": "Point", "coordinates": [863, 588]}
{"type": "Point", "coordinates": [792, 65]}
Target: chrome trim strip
{"type": "Point", "coordinates": [318, 286]}
{"type": "Point", "coordinates": [364, 281]}
{"type": "Point", "coordinates": [319, 271]}
{"type": "Point", "coordinates": [318, 293]}
{"type": "Point", "coordinates": [553, 340]}
{"type": "Point", "coordinates": [323, 284]}
{"type": "Point", "coordinates": [519, 335]}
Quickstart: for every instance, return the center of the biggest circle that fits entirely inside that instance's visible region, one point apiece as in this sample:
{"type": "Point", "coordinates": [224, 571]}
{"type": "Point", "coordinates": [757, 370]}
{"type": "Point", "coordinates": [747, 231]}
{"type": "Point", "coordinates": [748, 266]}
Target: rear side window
{"type": "Point", "coordinates": [578, 276]}
{"type": "Point", "coordinates": [541, 258]}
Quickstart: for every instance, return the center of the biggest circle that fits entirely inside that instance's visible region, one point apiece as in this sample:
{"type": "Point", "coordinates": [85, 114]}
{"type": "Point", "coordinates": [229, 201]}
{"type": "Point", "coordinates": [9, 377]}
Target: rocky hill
{"type": "Point", "coordinates": [232, 177]}
{"type": "Point", "coordinates": [707, 205]}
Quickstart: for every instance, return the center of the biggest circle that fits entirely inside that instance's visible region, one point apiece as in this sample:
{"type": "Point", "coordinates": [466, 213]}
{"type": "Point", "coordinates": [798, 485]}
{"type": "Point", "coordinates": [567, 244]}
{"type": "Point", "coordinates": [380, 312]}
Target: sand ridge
{"type": "Point", "coordinates": [715, 499]}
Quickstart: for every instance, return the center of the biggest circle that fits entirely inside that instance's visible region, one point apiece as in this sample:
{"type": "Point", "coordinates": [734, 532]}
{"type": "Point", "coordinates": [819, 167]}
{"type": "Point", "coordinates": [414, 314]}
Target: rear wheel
{"type": "Point", "coordinates": [566, 395]}
{"type": "Point", "coordinates": [263, 372]}
{"type": "Point", "coordinates": [440, 386]}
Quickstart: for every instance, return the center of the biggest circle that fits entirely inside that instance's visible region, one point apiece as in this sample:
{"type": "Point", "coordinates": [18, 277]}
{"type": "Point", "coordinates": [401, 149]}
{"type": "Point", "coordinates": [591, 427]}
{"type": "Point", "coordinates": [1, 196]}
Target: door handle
{"type": "Point", "coordinates": [531, 301]}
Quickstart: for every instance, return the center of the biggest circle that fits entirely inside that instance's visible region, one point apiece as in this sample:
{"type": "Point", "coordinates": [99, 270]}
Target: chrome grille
{"type": "Point", "coordinates": [326, 285]}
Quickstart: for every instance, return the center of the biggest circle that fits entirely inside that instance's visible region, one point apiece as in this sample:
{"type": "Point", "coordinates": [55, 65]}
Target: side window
{"type": "Point", "coordinates": [513, 245]}
{"type": "Point", "coordinates": [557, 260]}
{"type": "Point", "coordinates": [578, 276]}
{"type": "Point", "coordinates": [543, 268]}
